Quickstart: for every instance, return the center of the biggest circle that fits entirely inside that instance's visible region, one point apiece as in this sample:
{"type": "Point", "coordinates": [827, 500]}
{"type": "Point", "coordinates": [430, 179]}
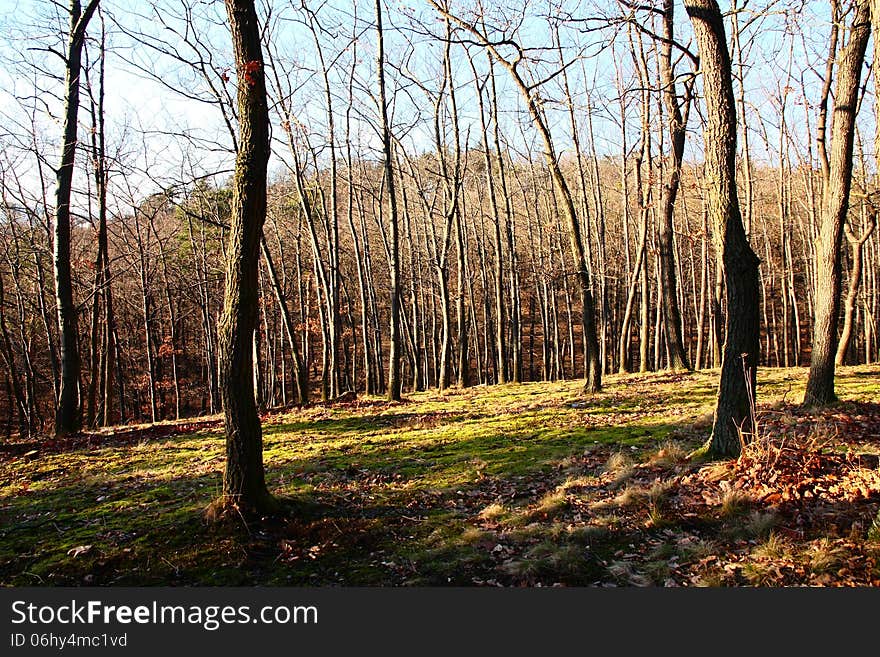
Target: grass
{"type": "Point", "coordinates": [507, 485]}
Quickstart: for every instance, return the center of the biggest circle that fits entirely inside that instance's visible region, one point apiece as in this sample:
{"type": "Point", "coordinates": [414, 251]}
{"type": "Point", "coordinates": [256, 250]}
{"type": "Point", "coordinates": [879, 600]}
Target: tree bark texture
{"type": "Point", "coordinates": [734, 410]}
{"type": "Point", "coordinates": [835, 204]}
{"type": "Point", "coordinates": [244, 480]}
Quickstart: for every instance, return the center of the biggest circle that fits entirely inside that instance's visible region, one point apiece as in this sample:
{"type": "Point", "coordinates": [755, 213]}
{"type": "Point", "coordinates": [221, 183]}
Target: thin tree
{"type": "Point", "coordinates": [857, 245]}
{"type": "Point", "coordinates": [593, 364]}
{"type": "Point", "coordinates": [396, 347]}
{"type": "Point", "coordinates": [677, 123]}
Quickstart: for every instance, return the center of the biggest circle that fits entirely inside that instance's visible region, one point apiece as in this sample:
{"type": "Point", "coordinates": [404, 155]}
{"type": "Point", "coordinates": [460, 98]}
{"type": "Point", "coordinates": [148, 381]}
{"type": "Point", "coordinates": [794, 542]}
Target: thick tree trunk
{"type": "Point", "coordinates": [244, 482]}
{"type": "Point", "coordinates": [67, 410]}
{"type": "Point", "coordinates": [820, 383]}
{"type": "Point", "coordinates": [736, 392]}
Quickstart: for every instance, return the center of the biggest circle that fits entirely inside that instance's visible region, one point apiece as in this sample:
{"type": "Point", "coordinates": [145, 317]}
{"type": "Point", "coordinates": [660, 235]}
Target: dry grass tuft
{"type": "Point", "coordinates": [493, 512]}
{"type": "Point", "coordinates": [733, 501]}
{"type": "Point", "coordinates": [617, 463]}
{"type": "Point", "coordinates": [669, 453]}
{"type": "Point", "coordinates": [825, 556]}
{"type": "Point", "coordinates": [625, 573]}
{"type": "Point", "coordinates": [552, 504]}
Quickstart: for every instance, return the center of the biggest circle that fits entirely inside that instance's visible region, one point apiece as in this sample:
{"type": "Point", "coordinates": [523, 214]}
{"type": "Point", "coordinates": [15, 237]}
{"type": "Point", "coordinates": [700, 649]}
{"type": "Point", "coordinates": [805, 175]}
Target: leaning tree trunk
{"type": "Point", "coordinates": [67, 410]}
{"type": "Point", "coordinates": [820, 383]}
{"type": "Point", "coordinates": [244, 484]}
{"type": "Point", "coordinates": [736, 391]}
{"type": "Point", "coordinates": [300, 371]}
{"type": "Point", "coordinates": [678, 359]}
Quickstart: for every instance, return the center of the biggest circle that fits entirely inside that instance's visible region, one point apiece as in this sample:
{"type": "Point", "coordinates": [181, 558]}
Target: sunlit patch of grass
{"type": "Point", "coordinates": [430, 482]}
{"type": "Point", "coordinates": [629, 496]}
{"type": "Point", "coordinates": [493, 513]}
{"type": "Point", "coordinates": [473, 535]}
{"type": "Point", "coordinates": [824, 556]}
{"type": "Point", "coordinates": [621, 467]}
{"type": "Point", "coordinates": [618, 462]}
{"type": "Point", "coordinates": [716, 471]}
{"type": "Point", "coordinates": [576, 483]}
{"type": "Point", "coordinates": [552, 503]}
{"type": "Point", "coordinates": [548, 507]}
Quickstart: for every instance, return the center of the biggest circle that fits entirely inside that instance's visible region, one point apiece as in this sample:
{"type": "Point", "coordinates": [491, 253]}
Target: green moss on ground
{"type": "Point", "coordinates": [490, 485]}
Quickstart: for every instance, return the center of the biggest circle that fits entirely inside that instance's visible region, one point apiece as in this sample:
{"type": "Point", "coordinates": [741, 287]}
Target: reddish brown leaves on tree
{"type": "Point", "coordinates": [251, 69]}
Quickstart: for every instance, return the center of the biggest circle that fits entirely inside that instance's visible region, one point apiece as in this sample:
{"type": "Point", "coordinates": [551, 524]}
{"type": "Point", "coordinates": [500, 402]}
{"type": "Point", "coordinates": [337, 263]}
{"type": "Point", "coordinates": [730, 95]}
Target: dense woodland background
{"type": "Point", "coordinates": [488, 288]}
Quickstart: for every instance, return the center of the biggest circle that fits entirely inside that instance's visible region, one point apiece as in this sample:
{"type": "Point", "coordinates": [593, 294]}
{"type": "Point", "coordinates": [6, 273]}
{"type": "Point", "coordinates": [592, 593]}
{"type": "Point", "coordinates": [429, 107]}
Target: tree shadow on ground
{"type": "Point", "coordinates": [371, 517]}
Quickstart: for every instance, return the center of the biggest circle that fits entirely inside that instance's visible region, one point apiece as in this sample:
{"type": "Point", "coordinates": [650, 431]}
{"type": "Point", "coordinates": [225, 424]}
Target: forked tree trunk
{"type": "Point", "coordinates": [244, 482]}
{"type": "Point", "coordinates": [736, 391]}
{"type": "Point", "coordinates": [849, 305]}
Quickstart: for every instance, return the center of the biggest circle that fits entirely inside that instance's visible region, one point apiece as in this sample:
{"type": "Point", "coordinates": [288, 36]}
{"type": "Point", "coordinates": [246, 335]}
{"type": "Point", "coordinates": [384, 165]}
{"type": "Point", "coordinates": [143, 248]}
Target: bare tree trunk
{"type": "Point", "coordinates": [244, 484]}
{"type": "Point", "coordinates": [13, 381]}
{"type": "Point", "coordinates": [300, 374]}
{"type": "Point", "coordinates": [637, 273]}
{"type": "Point", "coordinates": [677, 123]}
{"type": "Point", "coordinates": [394, 380]}
{"type": "Point", "coordinates": [501, 225]}
{"type": "Point", "coordinates": [704, 285]}
{"type": "Point", "coordinates": [855, 278]}
{"type": "Point", "coordinates": [835, 203]}
{"type": "Point", "coordinates": [737, 388]}
{"type": "Point", "coordinates": [67, 410]}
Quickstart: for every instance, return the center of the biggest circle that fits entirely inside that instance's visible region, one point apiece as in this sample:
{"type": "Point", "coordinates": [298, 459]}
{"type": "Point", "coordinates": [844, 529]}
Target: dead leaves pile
{"type": "Point", "coordinates": [780, 471]}
{"type": "Point", "coordinates": [812, 468]}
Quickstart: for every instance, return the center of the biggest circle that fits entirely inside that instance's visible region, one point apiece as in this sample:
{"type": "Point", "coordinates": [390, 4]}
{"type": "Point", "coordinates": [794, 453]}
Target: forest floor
{"type": "Point", "coordinates": [531, 484]}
